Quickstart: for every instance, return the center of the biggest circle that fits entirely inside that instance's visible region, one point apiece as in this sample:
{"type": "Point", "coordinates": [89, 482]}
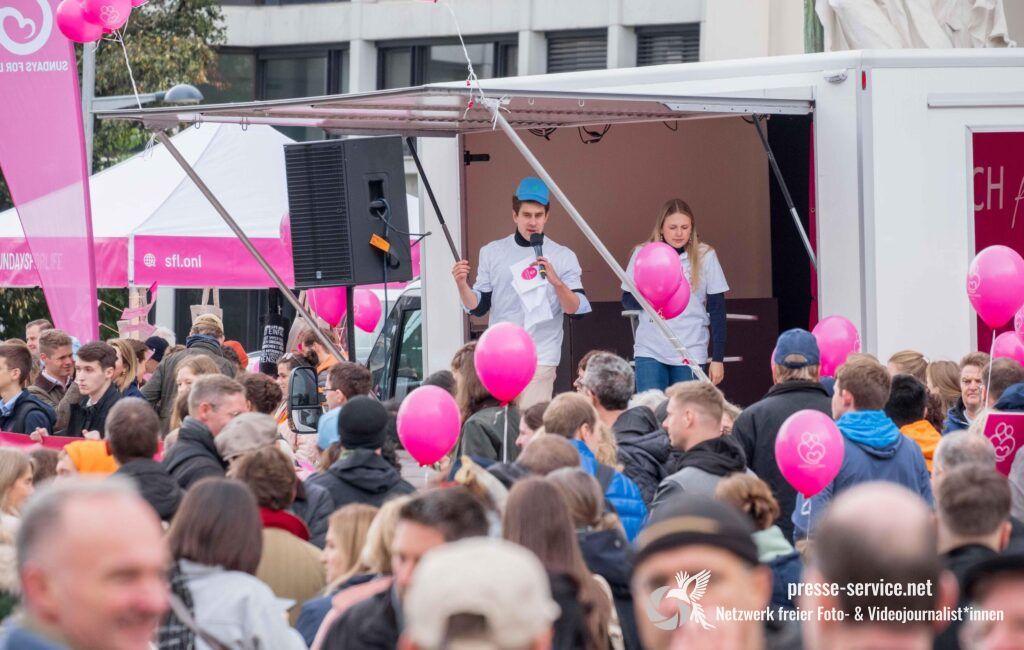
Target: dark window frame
{"type": "Point", "coordinates": [334, 54]}
{"type": "Point", "coordinates": [420, 54]}
{"type": "Point", "coordinates": [575, 34]}
{"type": "Point", "coordinates": [665, 30]}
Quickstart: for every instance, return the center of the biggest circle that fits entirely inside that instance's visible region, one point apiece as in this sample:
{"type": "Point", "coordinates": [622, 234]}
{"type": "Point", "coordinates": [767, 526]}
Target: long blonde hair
{"type": "Point", "coordinates": [348, 528]}
{"type": "Point", "coordinates": [694, 250]}
{"type": "Point", "coordinates": [13, 465]}
{"type": "Point", "coordinates": [128, 360]}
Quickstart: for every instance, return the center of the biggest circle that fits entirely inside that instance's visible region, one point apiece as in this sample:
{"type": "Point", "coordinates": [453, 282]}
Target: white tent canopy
{"type": "Point", "coordinates": [150, 195]}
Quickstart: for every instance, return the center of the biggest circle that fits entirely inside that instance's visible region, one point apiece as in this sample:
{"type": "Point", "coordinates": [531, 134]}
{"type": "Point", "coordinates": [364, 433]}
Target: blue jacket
{"type": "Point", "coordinates": [15, 636]}
{"type": "Point", "coordinates": [899, 461]}
{"type": "Point", "coordinates": [956, 419]}
{"type": "Point", "coordinates": [1012, 399]}
{"type": "Point", "coordinates": [622, 493]}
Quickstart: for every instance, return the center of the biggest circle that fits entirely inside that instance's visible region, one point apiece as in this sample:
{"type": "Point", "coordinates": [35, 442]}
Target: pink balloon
{"type": "Point", "coordinates": [837, 339]}
{"type": "Point", "coordinates": [111, 14]}
{"type": "Point", "coordinates": [677, 302]}
{"type": "Point", "coordinates": [657, 272]}
{"type": "Point", "coordinates": [138, 3]}
{"type": "Point", "coordinates": [367, 308]}
{"type": "Point", "coordinates": [72, 23]}
{"type": "Point", "coordinates": [995, 284]}
{"type": "Point", "coordinates": [428, 424]}
{"type": "Point", "coordinates": [286, 231]}
{"type": "Point", "coordinates": [809, 451]}
{"type": "Point", "coordinates": [328, 303]}
{"type": "Point", "coordinates": [1009, 345]}
{"type": "Point", "coordinates": [1018, 323]}
{"type": "Point", "coordinates": [506, 360]}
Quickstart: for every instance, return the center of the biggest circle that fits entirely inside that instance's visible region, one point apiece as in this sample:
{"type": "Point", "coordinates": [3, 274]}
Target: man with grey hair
{"type": "Point", "coordinates": [860, 542]}
{"type": "Point", "coordinates": [959, 448]}
{"type": "Point", "coordinates": [88, 585]}
{"type": "Point", "coordinates": [644, 448]}
{"type": "Point", "coordinates": [213, 401]}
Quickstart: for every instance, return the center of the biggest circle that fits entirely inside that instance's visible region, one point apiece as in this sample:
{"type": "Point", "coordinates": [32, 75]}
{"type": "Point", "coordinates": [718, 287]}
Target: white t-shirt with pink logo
{"type": "Point", "coordinates": [494, 275]}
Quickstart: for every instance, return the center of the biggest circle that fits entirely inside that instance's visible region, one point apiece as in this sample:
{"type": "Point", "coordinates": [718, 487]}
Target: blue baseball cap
{"type": "Point", "coordinates": [327, 429]}
{"type": "Point", "coordinates": [533, 189]}
{"type": "Point", "coordinates": [799, 342]}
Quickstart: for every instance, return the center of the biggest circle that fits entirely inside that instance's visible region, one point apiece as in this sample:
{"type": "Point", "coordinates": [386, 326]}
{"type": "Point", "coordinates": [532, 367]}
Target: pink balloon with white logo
{"type": "Point", "coordinates": [109, 14]}
{"type": "Point", "coordinates": [657, 272]}
{"type": "Point", "coordinates": [73, 24]}
{"type": "Point", "coordinates": [995, 284]}
{"type": "Point", "coordinates": [809, 451]}
{"type": "Point", "coordinates": [837, 339]}
{"type": "Point", "coordinates": [1009, 346]}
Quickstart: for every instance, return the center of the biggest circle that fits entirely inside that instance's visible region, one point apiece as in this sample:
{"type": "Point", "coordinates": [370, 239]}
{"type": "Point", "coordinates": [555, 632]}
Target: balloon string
{"type": "Point", "coordinates": [119, 37]}
{"type": "Point", "coordinates": [504, 445]}
{"type": "Point", "coordinates": [991, 355]}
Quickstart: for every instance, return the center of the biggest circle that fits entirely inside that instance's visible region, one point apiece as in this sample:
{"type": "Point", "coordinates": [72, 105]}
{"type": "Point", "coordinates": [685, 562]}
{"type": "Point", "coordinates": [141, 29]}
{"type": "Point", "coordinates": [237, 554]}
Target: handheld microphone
{"type": "Point", "coordinates": [537, 241]}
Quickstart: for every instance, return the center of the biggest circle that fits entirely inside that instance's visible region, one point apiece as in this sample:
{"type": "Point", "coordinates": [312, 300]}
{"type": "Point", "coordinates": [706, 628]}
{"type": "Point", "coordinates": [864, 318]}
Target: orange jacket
{"type": "Point", "coordinates": [927, 438]}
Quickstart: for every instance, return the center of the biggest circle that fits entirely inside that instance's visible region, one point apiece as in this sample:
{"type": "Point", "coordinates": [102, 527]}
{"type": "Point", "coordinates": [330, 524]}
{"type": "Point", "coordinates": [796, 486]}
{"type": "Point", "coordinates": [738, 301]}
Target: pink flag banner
{"type": "Point", "coordinates": [42, 154]}
{"type": "Point", "coordinates": [130, 313]}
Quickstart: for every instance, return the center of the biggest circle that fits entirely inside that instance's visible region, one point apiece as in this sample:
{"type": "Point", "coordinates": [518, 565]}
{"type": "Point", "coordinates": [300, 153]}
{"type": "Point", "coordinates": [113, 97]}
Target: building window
{"type": "Point", "coordinates": [668, 44]}
{"type": "Point", "coordinates": [403, 65]}
{"type": "Point", "coordinates": [293, 73]}
{"type": "Point", "coordinates": [232, 78]}
{"type": "Point", "coordinates": [581, 50]}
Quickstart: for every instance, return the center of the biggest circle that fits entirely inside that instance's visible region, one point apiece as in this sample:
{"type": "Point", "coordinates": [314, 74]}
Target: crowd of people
{"type": "Point", "coordinates": [186, 513]}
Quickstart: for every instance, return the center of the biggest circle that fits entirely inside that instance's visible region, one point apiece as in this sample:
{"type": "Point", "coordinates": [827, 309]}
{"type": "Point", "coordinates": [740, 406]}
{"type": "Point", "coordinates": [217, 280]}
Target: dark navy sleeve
{"type": "Point", "coordinates": [716, 310]}
{"type": "Point", "coordinates": [483, 306]}
{"type": "Point", "coordinates": [629, 302]}
{"type": "Point", "coordinates": [37, 419]}
{"type": "Point", "coordinates": [580, 313]}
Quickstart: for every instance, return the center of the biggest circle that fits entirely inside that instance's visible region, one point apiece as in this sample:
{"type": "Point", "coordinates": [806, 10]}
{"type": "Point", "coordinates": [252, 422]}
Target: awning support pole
{"type": "Point", "coordinates": [433, 201]}
{"type": "Point", "coordinates": [659, 322]}
{"type": "Point", "coordinates": [785, 191]}
{"type": "Point", "coordinates": [285, 290]}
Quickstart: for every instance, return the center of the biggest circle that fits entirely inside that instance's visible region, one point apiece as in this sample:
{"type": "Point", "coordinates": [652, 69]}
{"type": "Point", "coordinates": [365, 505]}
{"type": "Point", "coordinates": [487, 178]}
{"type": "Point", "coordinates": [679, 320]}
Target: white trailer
{"type": "Point", "coordinates": [886, 189]}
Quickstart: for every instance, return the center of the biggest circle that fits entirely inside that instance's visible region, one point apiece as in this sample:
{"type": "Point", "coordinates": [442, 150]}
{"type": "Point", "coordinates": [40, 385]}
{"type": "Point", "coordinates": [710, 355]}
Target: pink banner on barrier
{"type": "Point", "coordinates": [22, 440]}
{"type": "Point", "coordinates": [18, 265]}
{"type": "Point", "coordinates": [42, 153]}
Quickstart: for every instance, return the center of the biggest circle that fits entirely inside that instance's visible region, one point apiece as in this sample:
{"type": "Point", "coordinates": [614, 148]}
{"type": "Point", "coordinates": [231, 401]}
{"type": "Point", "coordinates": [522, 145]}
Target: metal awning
{"type": "Point", "coordinates": [442, 111]}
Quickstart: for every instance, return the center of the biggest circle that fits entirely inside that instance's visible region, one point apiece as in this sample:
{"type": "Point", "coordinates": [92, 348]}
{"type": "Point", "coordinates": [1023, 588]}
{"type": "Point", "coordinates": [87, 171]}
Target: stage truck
{"type": "Point", "coordinates": [898, 166]}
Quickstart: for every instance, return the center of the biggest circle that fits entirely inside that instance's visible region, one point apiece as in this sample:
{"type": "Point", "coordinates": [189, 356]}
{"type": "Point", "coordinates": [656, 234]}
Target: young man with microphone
{"type": "Point", "coordinates": [528, 280]}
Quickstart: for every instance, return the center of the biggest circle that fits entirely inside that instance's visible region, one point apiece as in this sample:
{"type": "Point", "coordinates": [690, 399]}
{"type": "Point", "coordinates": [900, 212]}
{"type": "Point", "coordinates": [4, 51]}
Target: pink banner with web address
{"type": "Point", "coordinates": [42, 153]}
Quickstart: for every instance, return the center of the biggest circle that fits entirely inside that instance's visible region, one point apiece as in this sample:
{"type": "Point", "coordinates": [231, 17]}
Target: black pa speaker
{"type": "Point", "coordinates": [348, 213]}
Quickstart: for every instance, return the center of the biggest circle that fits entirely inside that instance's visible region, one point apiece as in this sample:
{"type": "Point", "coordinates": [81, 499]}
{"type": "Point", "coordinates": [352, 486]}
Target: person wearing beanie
{"type": "Point", "coordinates": [705, 548]}
{"type": "Point", "coordinates": [361, 475]}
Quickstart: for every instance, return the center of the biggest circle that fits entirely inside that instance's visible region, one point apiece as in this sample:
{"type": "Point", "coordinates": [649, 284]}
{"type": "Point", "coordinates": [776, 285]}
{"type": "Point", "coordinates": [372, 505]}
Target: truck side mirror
{"type": "Point", "coordinates": [303, 400]}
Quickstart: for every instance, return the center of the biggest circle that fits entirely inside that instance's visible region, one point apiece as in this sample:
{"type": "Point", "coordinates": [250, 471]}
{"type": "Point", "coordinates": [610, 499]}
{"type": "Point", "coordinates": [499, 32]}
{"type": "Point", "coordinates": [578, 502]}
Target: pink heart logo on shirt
{"type": "Point", "coordinates": [529, 273]}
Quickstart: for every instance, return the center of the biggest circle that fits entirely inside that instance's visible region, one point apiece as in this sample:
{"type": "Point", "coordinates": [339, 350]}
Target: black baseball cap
{"type": "Point", "coordinates": [158, 346]}
{"type": "Point", "coordinates": [691, 520]}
